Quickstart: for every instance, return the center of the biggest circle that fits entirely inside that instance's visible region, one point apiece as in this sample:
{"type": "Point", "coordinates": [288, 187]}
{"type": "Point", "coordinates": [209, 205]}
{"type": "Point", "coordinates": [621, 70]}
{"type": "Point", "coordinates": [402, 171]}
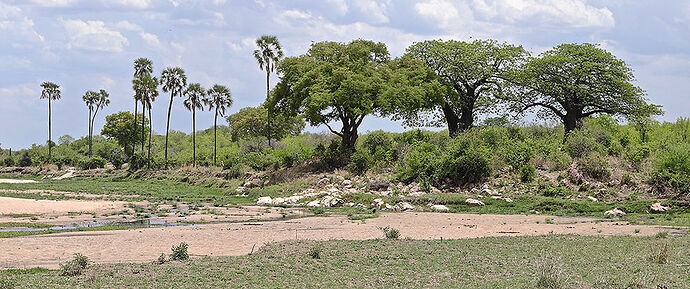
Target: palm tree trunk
{"type": "Point", "coordinates": [134, 145]}
{"type": "Point", "coordinates": [167, 127]}
{"type": "Point", "coordinates": [150, 131]}
{"type": "Point", "coordinates": [90, 133]}
{"type": "Point", "coordinates": [215, 120]}
{"type": "Point", "coordinates": [268, 75]}
{"type": "Point", "coordinates": [194, 136]}
{"type": "Point", "coordinates": [50, 147]}
{"type": "Point", "coordinates": [143, 124]}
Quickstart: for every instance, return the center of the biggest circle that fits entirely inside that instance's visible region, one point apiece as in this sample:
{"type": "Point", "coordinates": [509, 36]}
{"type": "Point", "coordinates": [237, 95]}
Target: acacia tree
{"type": "Point", "coordinates": [468, 72]}
{"type": "Point", "coordinates": [218, 99]}
{"type": "Point", "coordinates": [142, 66]}
{"type": "Point", "coordinates": [334, 82]}
{"type": "Point", "coordinates": [121, 127]}
{"type": "Point", "coordinates": [195, 95]}
{"type": "Point", "coordinates": [174, 81]}
{"type": "Point", "coordinates": [267, 55]}
{"type": "Point", "coordinates": [248, 123]}
{"type": "Point", "coordinates": [51, 91]}
{"type": "Point", "coordinates": [573, 81]}
{"type": "Point", "coordinates": [94, 101]}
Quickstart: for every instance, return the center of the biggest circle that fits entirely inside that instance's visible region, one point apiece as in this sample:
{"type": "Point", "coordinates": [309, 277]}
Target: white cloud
{"type": "Point", "coordinates": [339, 5]}
{"type": "Point", "coordinates": [376, 10]}
{"type": "Point", "coordinates": [126, 25]}
{"type": "Point", "coordinates": [93, 35]}
{"type": "Point", "coordinates": [150, 39]}
{"type": "Point", "coordinates": [14, 22]}
{"type": "Point", "coordinates": [53, 3]}
{"type": "Point", "coordinates": [574, 13]}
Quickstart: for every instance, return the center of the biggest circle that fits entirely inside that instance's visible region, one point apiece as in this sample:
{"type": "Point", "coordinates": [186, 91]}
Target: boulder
{"type": "Point", "coordinates": [403, 206]}
{"type": "Point", "coordinates": [314, 203]}
{"type": "Point", "coordinates": [240, 190]}
{"type": "Point", "coordinates": [377, 203]}
{"type": "Point", "coordinates": [293, 200]}
{"type": "Point", "coordinates": [593, 199]}
{"type": "Point", "coordinates": [346, 183]}
{"type": "Point", "coordinates": [330, 201]}
{"type": "Point", "coordinates": [379, 185]}
{"type": "Point", "coordinates": [417, 193]}
{"type": "Point", "coordinates": [614, 213]}
{"type": "Point", "coordinates": [254, 183]}
{"type": "Point", "coordinates": [323, 182]}
{"type": "Point", "coordinates": [278, 201]}
{"type": "Point", "coordinates": [439, 208]}
{"type": "Point", "coordinates": [658, 208]}
{"type": "Point", "coordinates": [473, 202]}
{"type": "Point", "coordinates": [264, 201]}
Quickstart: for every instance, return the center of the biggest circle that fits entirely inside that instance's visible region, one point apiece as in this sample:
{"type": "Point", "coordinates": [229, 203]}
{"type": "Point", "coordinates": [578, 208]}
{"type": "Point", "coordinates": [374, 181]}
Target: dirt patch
{"type": "Point", "coordinates": [15, 181]}
{"type": "Point", "coordinates": [50, 207]}
{"type": "Point", "coordinates": [144, 245]}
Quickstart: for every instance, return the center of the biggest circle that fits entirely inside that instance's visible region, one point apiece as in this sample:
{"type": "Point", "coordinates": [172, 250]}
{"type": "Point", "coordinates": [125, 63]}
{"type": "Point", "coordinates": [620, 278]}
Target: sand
{"type": "Point", "coordinates": [13, 181]}
{"type": "Point", "coordinates": [232, 239]}
{"type": "Point", "coordinates": [50, 207]}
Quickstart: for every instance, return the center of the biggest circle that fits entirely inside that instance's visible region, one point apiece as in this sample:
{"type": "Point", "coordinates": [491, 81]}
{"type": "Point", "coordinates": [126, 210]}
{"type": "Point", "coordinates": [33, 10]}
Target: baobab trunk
{"type": "Point", "coordinates": [571, 122]}
{"type": "Point", "coordinates": [349, 139]}
{"type": "Point", "coordinates": [451, 119]}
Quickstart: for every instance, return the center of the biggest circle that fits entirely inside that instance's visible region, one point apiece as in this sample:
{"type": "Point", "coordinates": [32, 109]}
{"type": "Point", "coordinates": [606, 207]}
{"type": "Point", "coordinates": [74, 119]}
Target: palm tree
{"type": "Point", "coordinates": [148, 88]}
{"type": "Point", "coordinates": [174, 81]}
{"type": "Point", "coordinates": [51, 91]}
{"type": "Point", "coordinates": [267, 55]}
{"type": "Point", "coordinates": [219, 98]}
{"type": "Point", "coordinates": [94, 101]}
{"type": "Point", "coordinates": [195, 95]}
{"type": "Point", "coordinates": [142, 66]}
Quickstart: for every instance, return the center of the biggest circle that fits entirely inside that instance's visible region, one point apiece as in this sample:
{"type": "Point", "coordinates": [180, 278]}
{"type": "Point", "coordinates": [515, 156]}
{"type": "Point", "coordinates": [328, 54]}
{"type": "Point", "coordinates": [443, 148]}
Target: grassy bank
{"type": "Point", "coordinates": [502, 262]}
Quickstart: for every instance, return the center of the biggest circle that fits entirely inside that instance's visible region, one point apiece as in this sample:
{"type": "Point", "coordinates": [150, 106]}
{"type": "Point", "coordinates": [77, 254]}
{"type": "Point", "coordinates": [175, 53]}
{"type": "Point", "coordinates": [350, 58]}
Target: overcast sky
{"type": "Point", "coordinates": [91, 44]}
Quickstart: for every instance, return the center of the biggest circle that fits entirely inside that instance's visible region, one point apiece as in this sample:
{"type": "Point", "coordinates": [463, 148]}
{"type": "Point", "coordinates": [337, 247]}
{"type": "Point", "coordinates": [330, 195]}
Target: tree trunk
{"type": "Point", "coordinates": [215, 119]}
{"type": "Point", "coordinates": [349, 139]}
{"type": "Point", "coordinates": [268, 109]}
{"type": "Point", "coordinates": [467, 117]}
{"type": "Point", "coordinates": [134, 145]}
{"type": "Point", "coordinates": [451, 119]}
{"type": "Point", "coordinates": [167, 127]}
{"type": "Point", "coordinates": [194, 136]}
{"type": "Point", "coordinates": [90, 133]}
{"type": "Point", "coordinates": [50, 147]}
{"type": "Point", "coordinates": [150, 132]}
{"type": "Point", "coordinates": [143, 124]}
{"type": "Point", "coordinates": [571, 122]}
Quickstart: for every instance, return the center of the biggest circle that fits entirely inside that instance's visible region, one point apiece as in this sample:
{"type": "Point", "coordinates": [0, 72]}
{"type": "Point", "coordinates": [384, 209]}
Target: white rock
{"type": "Point", "coordinates": [658, 208]}
{"type": "Point", "coordinates": [314, 203]}
{"type": "Point", "coordinates": [377, 203]}
{"type": "Point", "coordinates": [404, 206]}
{"type": "Point", "coordinates": [593, 199]}
{"type": "Point", "coordinates": [278, 201]}
{"type": "Point", "coordinates": [614, 213]}
{"type": "Point", "coordinates": [473, 202]}
{"type": "Point", "coordinates": [264, 201]}
{"type": "Point", "coordinates": [440, 208]}
{"type": "Point", "coordinates": [435, 190]}
{"type": "Point", "coordinates": [509, 200]}
{"type": "Point", "coordinates": [323, 182]}
{"type": "Point", "coordinates": [346, 183]}
{"type": "Point", "coordinates": [330, 201]}
{"type": "Point", "coordinates": [293, 199]}
{"type": "Point", "coordinates": [240, 189]}
{"type": "Point", "coordinates": [417, 193]}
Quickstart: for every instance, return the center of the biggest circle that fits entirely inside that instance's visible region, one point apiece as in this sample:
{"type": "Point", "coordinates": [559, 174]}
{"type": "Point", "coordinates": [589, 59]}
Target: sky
{"type": "Point", "coordinates": [91, 44]}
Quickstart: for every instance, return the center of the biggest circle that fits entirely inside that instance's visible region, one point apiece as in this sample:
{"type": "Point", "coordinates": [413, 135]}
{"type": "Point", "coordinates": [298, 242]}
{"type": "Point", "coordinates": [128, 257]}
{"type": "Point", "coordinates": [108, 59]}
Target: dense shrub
{"type": "Point", "coordinates": [516, 154]}
{"type": "Point", "coordinates": [464, 162]}
{"type": "Point", "coordinates": [92, 163]}
{"type": "Point", "coordinates": [595, 166]}
{"type": "Point", "coordinates": [673, 169]}
{"type": "Point", "coordinates": [179, 252]}
{"type": "Point", "coordinates": [25, 160]}
{"type": "Point", "coordinates": [8, 162]}
{"type": "Point", "coordinates": [579, 144]}
{"type": "Point", "coordinates": [527, 173]}
{"type": "Point", "coordinates": [75, 266]}
{"type": "Point", "coordinates": [333, 155]}
{"type": "Point", "coordinates": [420, 163]}
{"type": "Point", "coordinates": [360, 162]}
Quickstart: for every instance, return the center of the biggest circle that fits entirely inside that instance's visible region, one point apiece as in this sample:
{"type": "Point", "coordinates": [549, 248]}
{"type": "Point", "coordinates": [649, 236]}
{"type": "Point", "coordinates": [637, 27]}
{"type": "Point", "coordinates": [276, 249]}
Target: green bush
{"type": "Point", "coordinates": [360, 162]}
{"type": "Point", "coordinates": [595, 166]}
{"type": "Point", "coordinates": [75, 266]}
{"type": "Point", "coordinates": [333, 155]}
{"type": "Point", "coordinates": [25, 160]}
{"type": "Point", "coordinates": [8, 162]}
{"type": "Point", "coordinates": [527, 173]}
{"type": "Point", "coordinates": [179, 252]}
{"type": "Point", "coordinates": [420, 163]}
{"type": "Point", "coordinates": [516, 154]}
{"type": "Point", "coordinates": [390, 233]}
{"type": "Point", "coordinates": [579, 144]}
{"type": "Point", "coordinates": [673, 169]}
{"type": "Point", "coordinates": [92, 163]}
{"type": "Point", "coordinates": [464, 162]}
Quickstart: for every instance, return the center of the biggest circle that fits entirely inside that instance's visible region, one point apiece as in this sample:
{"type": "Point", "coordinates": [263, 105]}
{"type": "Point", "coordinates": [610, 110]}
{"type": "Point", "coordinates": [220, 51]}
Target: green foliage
{"type": "Point", "coordinates": [420, 163]}
{"type": "Point", "coordinates": [250, 122]}
{"type": "Point", "coordinates": [527, 173]}
{"type": "Point", "coordinates": [75, 266]}
{"type": "Point", "coordinates": [92, 163]}
{"type": "Point", "coordinates": [594, 165]}
{"type": "Point", "coordinates": [8, 162]}
{"type": "Point", "coordinates": [672, 169]}
{"type": "Point", "coordinates": [516, 154]}
{"type": "Point", "coordinates": [580, 144]}
{"type": "Point", "coordinates": [465, 161]}
{"type": "Point", "coordinates": [360, 162]}
{"type": "Point", "coordinates": [390, 233]}
{"type": "Point", "coordinates": [25, 160]}
{"type": "Point", "coordinates": [121, 127]}
{"type": "Point", "coordinates": [331, 156]}
{"type": "Point", "coordinates": [179, 252]}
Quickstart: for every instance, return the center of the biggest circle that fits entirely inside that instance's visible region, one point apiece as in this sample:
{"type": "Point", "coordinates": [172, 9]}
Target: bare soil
{"type": "Point", "coordinates": [13, 181]}
{"type": "Point", "coordinates": [231, 239]}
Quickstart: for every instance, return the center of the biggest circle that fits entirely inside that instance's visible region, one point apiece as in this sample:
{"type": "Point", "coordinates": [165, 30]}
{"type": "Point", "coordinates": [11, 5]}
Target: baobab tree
{"type": "Point", "coordinates": [94, 101]}
{"type": "Point", "coordinates": [218, 98]}
{"type": "Point", "coordinates": [51, 91]}
{"type": "Point", "coordinates": [267, 55]}
{"type": "Point", "coordinates": [173, 80]}
{"type": "Point", "coordinates": [195, 95]}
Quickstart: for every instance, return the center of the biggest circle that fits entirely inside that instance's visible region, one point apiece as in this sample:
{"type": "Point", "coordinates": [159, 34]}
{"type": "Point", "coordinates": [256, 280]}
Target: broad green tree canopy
{"type": "Point", "coordinates": [334, 82]}
{"type": "Point", "coordinates": [249, 122]}
{"type": "Point", "coordinates": [574, 81]}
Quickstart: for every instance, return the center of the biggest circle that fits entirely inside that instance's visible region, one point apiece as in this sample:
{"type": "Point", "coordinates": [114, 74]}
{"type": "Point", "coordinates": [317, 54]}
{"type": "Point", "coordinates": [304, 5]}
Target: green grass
{"type": "Point", "coordinates": [137, 189]}
{"type": "Point", "coordinates": [23, 225]}
{"type": "Point", "coordinates": [11, 234]}
{"type": "Point", "coordinates": [496, 262]}
{"type": "Point", "coordinates": [17, 216]}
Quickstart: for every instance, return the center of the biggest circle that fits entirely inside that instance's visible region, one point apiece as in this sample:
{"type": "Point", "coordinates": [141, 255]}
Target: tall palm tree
{"type": "Point", "coordinates": [51, 91]}
{"type": "Point", "coordinates": [195, 95]}
{"type": "Point", "coordinates": [147, 85]}
{"type": "Point", "coordinates": [218, 97]}
{"type": "Point", "coordinates": [267, 55]}
{"type": "Point", "coordinates": [142, 66]}
{"type": "Point", "coordinates": [174, 81]}
{"type": "Point", "coordinates": [94, 101]}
